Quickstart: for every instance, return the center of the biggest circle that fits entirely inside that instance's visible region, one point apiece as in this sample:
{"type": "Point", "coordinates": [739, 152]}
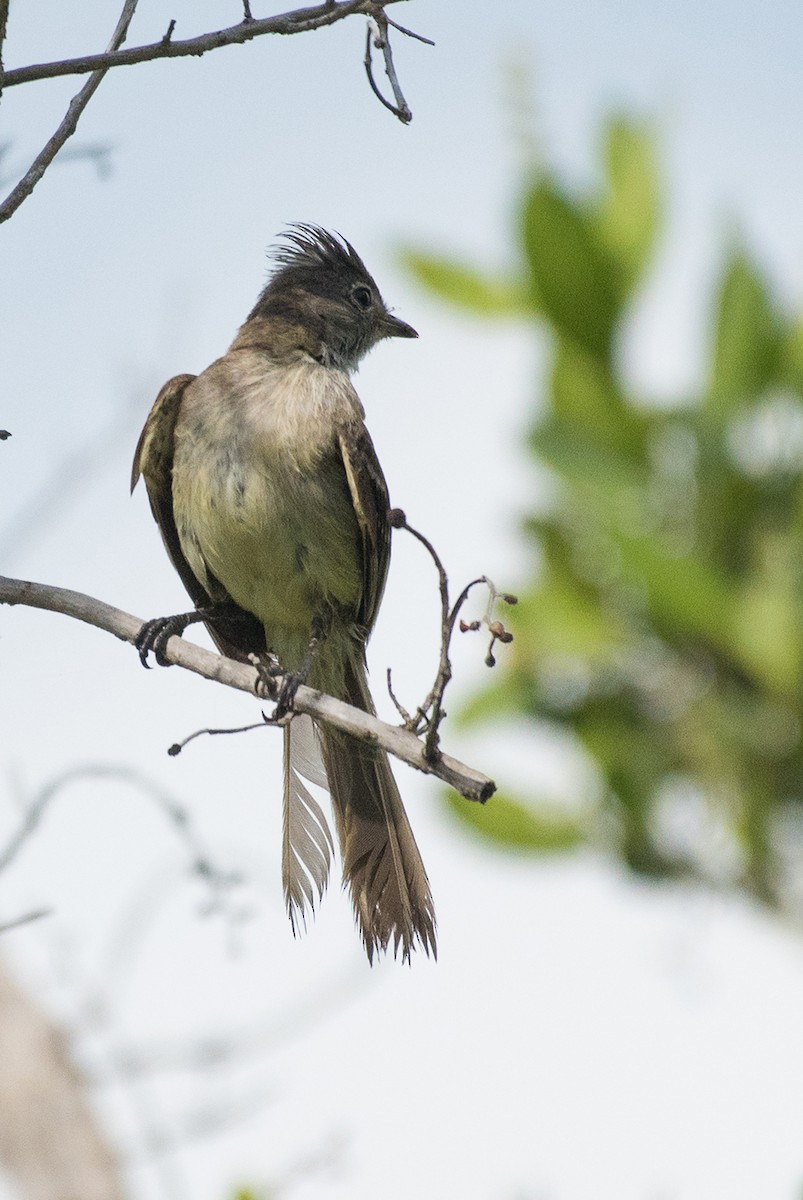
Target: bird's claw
{"type": "Point", "coordinates": [269, 672]}
{"type": "Point", "coordinates": [154, 636]}
{"type": "Point", "coordinates": [291, 682]}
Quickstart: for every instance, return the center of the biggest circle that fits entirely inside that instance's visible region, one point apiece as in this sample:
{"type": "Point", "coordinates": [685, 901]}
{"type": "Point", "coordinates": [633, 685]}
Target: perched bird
{"type": "Point", "coordinates": [273, 508]}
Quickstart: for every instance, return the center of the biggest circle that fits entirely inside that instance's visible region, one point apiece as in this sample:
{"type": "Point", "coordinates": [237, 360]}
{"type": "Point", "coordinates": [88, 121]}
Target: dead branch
{"type": "Point", "coordinates": [219, 882]}
{"type": "Point", "coordinates": [377, 36]}
{"type": "Point", "coordinates": [429, 715]}
{"type": "Point", "coordinates": [301, 20]}
{"type": "Point", "coordinates": [402, 743]}
{"type": "Point", "coordinates": [25, 919]}
{"type": "Point", "coordinates": [68, 126]}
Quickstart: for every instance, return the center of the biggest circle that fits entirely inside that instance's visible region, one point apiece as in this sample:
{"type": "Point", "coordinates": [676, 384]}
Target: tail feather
{"type": "Point", "coordinates": [382, 865]}
{"type": "Point", "coordinates": [307, 846]}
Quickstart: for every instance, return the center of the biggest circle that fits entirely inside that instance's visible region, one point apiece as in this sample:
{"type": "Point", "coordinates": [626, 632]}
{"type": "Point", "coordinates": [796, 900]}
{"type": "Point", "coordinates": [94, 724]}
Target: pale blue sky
{"type": "Point", "coordinates": [583, 1037]}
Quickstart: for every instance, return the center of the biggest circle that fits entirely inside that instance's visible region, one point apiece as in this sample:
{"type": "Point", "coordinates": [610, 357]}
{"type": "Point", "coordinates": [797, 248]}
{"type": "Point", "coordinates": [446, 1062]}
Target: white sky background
{"type": "Point", "coordinates": [583, 1036]}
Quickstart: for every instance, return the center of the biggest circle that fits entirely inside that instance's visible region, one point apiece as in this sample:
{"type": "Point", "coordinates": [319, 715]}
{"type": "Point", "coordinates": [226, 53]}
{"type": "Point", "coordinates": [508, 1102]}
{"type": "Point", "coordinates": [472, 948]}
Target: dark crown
{"type": "Point", "coordinates": [309, 247]}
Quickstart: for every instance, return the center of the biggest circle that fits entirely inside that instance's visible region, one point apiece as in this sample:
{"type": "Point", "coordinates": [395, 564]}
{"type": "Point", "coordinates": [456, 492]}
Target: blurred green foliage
{"type": "Point", "coordinates": [662, 621]}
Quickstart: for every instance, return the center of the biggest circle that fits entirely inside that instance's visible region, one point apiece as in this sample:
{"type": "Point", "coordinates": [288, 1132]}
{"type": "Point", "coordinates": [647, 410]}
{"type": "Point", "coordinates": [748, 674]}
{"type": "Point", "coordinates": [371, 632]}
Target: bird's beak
{"type": "Point", "coordinates": [393, 327]}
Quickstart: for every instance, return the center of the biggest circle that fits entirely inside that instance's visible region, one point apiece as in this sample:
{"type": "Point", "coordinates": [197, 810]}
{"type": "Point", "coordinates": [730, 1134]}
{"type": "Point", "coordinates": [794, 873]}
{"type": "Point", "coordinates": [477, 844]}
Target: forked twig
{"type": "Point", "coordinates": [68, 126]}
{"type": "Point", "coordinates": [429, 715]}
{"type": "Point", "coordinates": [377, 38]}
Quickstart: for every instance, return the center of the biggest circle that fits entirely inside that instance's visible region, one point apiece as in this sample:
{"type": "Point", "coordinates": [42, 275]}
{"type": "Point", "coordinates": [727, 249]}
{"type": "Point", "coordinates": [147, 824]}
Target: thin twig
{"type": "Point", "coordinates": [363, 726]}
{"type": "Point", "coordinates": [298, 21]}
{"type": "Point", "coordinates": [3, 26]}
{"type": "Point", "coordinates": [95, 152]}
{"type": "Point", "coordinates": [25, 919]}
{"type": "Point", "coordinates": [400, 709]}
{"type": "Point", "coordinates": [201, 865]}
{"type": "Point", "coordinates": [177, 747]}
{"type": "Point", "coordinates": [419, 37]}
{"type": "Point", "coordinates": [378, 35]}
{"type": "Point", "coordinates": [68, 126]}
{"type": "Point", "coordinates": [429, 715]}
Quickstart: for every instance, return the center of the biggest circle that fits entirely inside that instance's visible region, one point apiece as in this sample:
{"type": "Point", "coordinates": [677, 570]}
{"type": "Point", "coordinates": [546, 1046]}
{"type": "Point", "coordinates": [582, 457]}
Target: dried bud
{"type": "Point", "coordinates": [469, 626]}
{"type": "Point", "coordinates": [508, 598]}
{"type": "Point", "coordinates": [396, 518]}
{"type": "Point", "coordinates": [174, 750]}
{"type": "Point", "coordinates": [490, 661]}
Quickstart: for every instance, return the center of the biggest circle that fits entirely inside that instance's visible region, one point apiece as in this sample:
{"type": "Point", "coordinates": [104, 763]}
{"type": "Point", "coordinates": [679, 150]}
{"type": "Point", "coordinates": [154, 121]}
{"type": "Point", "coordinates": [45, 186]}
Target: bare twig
{"type": "Point", "coordinates": [299, 21]}
{"type": "Point", "coordinates": [25, 919]}
{"type": "Point", "coordinates": [361, 725]}
{"type": "Point", "coordinates": [378, 36]}
{"type": "Point", "coordinates": [400, 709]}
{"type": "Point", "coordinates": [3, 26]}
{"type": "Point", "coordinates": [220, 882]}
{"type": "Point", "coordinates": [419, 37]}
{"type": "Point", "coordinates": [265, 723]}
{"type": "Point", "coordinates": [97, 153]}
{"type": "Point", "coordinates": [68, 126]}
{"type": "Point", "coordinates": [429, 715]}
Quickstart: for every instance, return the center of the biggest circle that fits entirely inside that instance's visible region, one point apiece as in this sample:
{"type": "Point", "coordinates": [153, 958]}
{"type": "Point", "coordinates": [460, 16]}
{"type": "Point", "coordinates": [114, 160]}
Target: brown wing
{"type": "Point", "coordinates": [238, 633]}
{"type": "Point", "coordinates": [369, 494]}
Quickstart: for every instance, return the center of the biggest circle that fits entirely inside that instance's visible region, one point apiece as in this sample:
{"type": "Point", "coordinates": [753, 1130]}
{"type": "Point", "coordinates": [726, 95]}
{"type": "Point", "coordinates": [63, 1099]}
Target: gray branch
{"type": "Point", "coordinates": [68, 126]}
{"type": "Point", "coordinates": [401, 743]}
{"type": "Point", "coordinates": [299, 21]}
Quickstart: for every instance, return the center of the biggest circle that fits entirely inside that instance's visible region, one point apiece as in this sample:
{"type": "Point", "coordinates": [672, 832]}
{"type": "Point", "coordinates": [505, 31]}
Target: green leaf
{"type": "Point", "coordinates": [519, 825]}
{"type": "Point", "coordinates": [586, 397]}
{"type": "Point", "coordinates": [685, 593]}
{"type": "Point", "coordinates": [769, 615]}
{"type": "Point", "coordinates": [793, 358]}
{"type": "Point", "coordinates": [580, 460]}
{"type": "Point", "coordinates": [629, 213]}
{"type": "Point", "coordinates": [748, 338]}
{"type": "Point", "coordinates": [504, 696]}
{"type": "Point", "coordinates": [464, 287]}
{"type": "Point", "coordinates": [573, 277]}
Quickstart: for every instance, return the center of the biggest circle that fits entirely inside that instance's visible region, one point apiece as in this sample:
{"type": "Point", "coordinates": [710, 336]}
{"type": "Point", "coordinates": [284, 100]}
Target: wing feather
{"type": "Point", "coordinates": [369, 495]}
{"type": "Point", "coordinates": [238, 633]}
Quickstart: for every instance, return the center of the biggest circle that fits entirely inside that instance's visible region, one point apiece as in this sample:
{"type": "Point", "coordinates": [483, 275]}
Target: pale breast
{"type": "Point", "coordinates": [260, 495]}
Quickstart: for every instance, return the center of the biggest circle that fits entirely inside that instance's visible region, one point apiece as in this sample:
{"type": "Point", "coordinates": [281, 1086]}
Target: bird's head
{"type": "Point", "coordinates": [322, 297]}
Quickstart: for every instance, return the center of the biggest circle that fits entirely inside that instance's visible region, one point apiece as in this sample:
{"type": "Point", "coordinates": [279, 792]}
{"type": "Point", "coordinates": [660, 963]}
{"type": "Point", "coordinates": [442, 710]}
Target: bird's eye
{"type": "Point", "coordinates": [362, 297]}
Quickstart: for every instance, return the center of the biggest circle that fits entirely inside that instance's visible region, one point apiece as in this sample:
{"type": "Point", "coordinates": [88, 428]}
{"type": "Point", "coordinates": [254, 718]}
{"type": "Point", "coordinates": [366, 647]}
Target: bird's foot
{"type": "Point", "coordinates": [269, 670]}
{"type": "Point", "coordinates": [273, 682]}
{"type": "Point", "coordinates": [154, 635]}
{"type": "Point", "coordinates": [291, 682]}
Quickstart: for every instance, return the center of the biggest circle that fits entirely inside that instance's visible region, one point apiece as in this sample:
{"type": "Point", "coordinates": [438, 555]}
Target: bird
{"type": "Point", "coordinates": [274, 511]}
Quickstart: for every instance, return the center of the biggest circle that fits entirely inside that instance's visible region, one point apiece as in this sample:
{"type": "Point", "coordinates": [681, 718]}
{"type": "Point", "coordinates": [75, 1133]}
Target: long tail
{"type": "Point", "coordinates": [381, 862]}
